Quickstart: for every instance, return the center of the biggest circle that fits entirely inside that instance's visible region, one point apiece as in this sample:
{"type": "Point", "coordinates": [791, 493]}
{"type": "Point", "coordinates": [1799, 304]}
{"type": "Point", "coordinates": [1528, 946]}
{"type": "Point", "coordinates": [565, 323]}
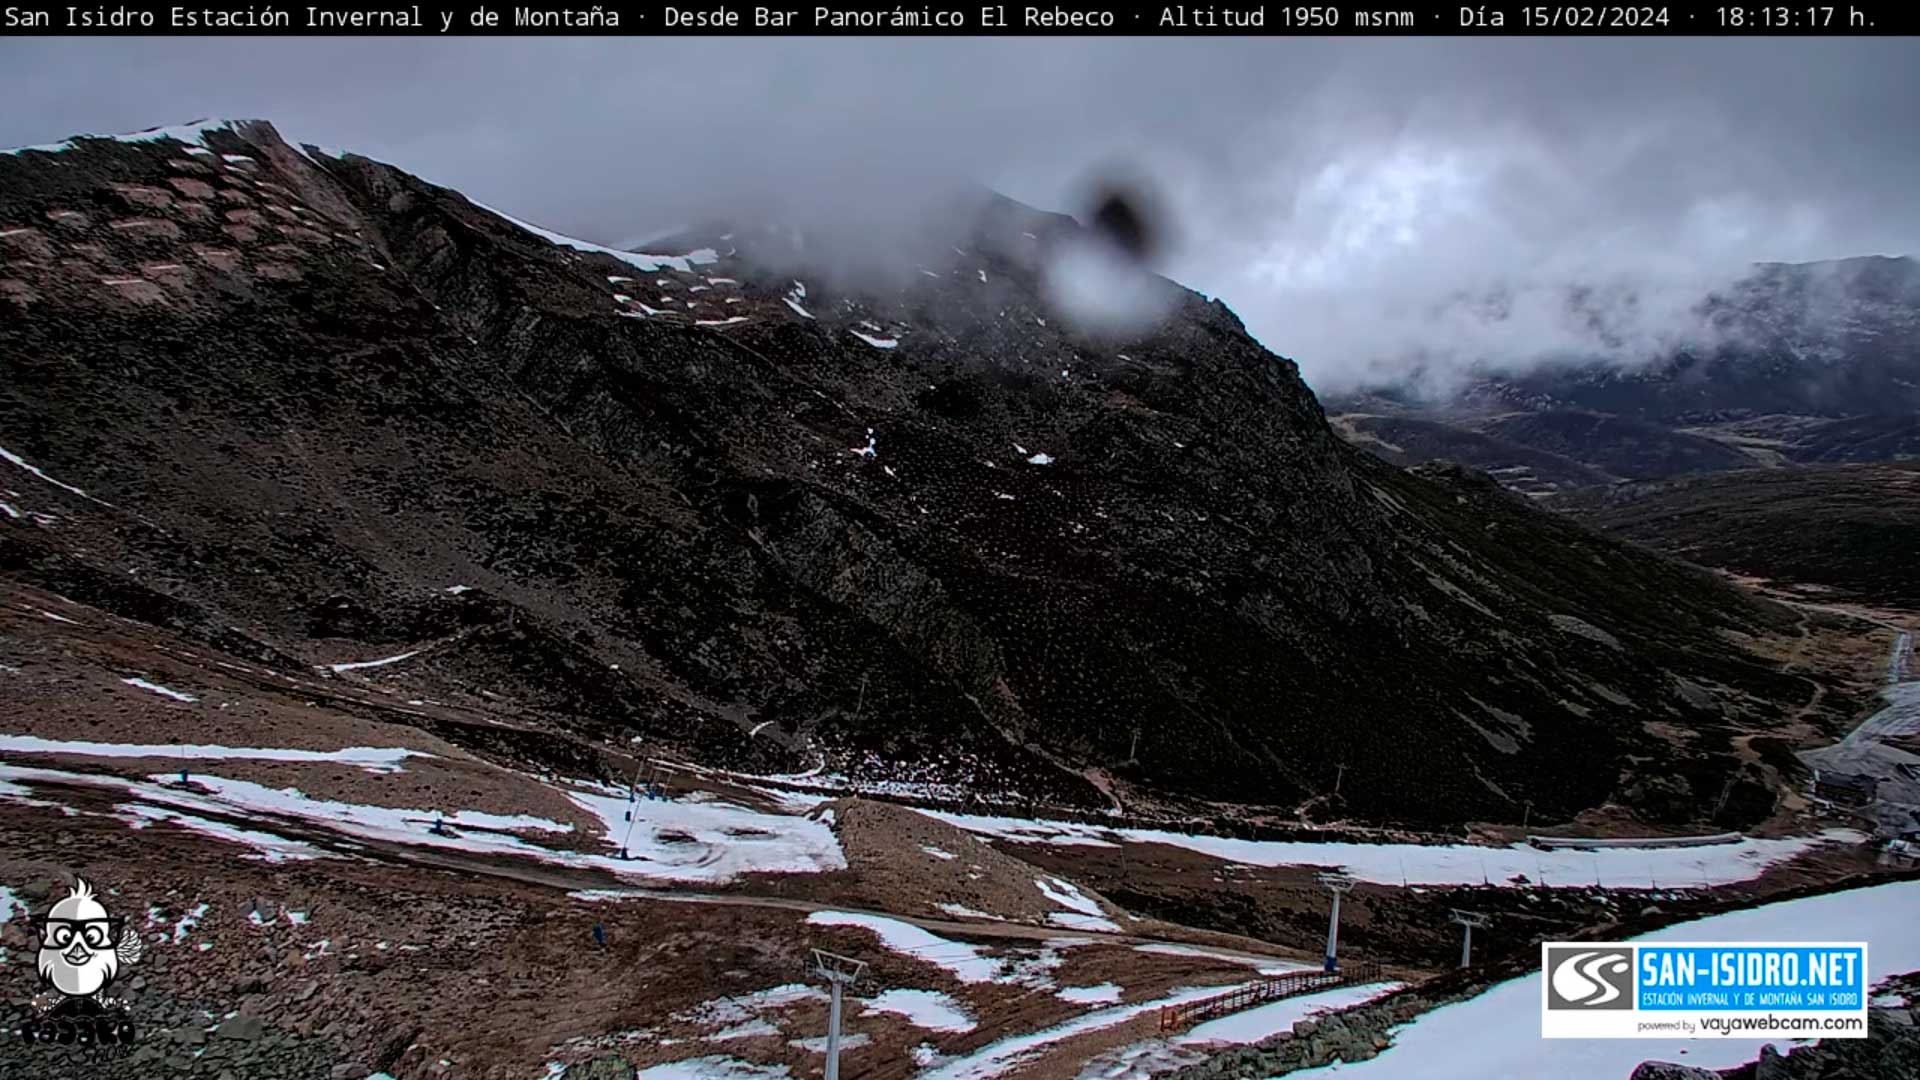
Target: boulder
{"type": "Point", "coordinates": [1772, 1064]}
{"type": "Point", "coordinates": [610, 1067]}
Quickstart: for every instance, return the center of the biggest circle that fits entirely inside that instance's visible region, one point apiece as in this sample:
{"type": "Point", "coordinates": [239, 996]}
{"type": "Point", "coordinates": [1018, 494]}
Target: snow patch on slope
{"type": "Point", "coordinates": [1098, 994]}
{"type": "Point", "coordinates": [154, 688]}
{"type": "Point", "coordinates": [267, 847]}
{"type": "Point", "coordinates": [929, 1009]}
{"type": "Point", "coordinates": [968, 963]}
{"type": "Point", "coordinates": [639, 260]}
{"type": "Point", "coordinates": [382, 662]}
{"type": "Point", "coordinates": [1441, 864]}
{"type": "Point", "coordinates": [372, 759]}
{"type": "Point", "coordinates": [713, 1068]}
{"type": "Point", "coordinates": [707, 843]}
{"type": "Point", "coordinates": [17, 460]}
{"type": "Point", "coordinates": [1085, 914]}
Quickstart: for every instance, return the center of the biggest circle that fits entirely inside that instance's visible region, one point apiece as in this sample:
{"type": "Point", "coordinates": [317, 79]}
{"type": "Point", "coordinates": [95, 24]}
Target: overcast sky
{"type": "Point", "coordinates": [1338, 194]}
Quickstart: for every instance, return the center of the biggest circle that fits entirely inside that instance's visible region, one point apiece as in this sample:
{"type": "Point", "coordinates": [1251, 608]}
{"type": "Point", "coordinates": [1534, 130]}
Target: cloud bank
{"type": "Point", "coordinates": [1367, 206]}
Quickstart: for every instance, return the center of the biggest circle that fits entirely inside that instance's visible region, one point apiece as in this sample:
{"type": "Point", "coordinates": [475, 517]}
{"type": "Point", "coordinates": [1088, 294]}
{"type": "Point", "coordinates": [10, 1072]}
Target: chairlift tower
{"type": "Point", "coordinates": [1335, 884]}
{"type": "Point", "coordinates": [1468, 920]}
{"type": "Point", "coordinates": [839, 972]}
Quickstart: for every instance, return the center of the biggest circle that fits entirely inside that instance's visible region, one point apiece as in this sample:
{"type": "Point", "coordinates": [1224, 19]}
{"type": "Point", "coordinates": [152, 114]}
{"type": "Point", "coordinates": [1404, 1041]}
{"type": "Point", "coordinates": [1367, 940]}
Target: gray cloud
{"type": "Point", "coordinates": [1342, 195]}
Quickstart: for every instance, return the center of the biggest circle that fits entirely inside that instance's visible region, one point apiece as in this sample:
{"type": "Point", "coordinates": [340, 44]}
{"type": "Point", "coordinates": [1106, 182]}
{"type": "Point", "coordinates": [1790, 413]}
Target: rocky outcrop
{"type": "Point", "coordinates": [1350, 1035]}
{"type": "Point", "coordinates": [1666, 1070]}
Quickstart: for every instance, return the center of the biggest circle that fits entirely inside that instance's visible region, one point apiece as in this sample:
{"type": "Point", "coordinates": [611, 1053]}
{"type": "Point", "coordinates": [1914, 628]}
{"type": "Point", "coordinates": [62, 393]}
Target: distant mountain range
{"type": "Point", "coordinates": [1811, 363]}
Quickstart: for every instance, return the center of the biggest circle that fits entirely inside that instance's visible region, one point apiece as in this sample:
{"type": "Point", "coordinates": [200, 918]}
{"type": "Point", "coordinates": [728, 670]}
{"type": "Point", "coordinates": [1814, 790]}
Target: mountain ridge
{"type": "Point", "coordinates": [776, 525]}
{"type": "Point", "coordinates": [1805, 363]}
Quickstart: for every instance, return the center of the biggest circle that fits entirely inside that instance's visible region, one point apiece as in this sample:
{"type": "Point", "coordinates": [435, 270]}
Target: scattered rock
{"type": "Point", "coordinates": [192, 189]}
{"type": "Point", "coordinates": [1665, 1070]}
{"type": "Point", "coordinates": [610, 1067]}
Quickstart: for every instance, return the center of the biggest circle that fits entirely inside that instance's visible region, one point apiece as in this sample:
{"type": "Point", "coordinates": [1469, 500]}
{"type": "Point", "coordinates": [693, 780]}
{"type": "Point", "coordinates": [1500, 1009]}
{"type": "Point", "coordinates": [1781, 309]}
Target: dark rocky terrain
{"type": "Point", "coordinates": [1808, 363]}
{"type": "Point", "coordinates": [1412, 440]}
{"type": "Point", "coordinates": [1847, 531]}
{"type": "Point", "coordinates": [322, 411]}
{"type": "Point", "coordinates": [1890, 1052]}
{"type": "Point", "coordinates": [1629, 447]}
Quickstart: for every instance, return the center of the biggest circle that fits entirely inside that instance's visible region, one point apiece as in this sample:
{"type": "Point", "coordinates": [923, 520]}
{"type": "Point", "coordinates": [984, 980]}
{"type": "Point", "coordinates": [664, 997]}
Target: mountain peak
{"type": "Point", "coordinates": [193, 133]}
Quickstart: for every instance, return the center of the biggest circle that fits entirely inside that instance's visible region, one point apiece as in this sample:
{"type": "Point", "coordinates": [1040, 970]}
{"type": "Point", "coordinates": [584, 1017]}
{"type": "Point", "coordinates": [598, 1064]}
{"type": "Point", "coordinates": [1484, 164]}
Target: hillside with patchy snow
{"type": "Point", "coordinates": [321, 416]}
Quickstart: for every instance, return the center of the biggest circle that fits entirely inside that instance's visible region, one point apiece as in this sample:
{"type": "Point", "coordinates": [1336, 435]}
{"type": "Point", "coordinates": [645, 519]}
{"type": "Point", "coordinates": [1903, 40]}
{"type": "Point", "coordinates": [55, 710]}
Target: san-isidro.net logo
{"type": "Point", "coordinates": [1690, 990]}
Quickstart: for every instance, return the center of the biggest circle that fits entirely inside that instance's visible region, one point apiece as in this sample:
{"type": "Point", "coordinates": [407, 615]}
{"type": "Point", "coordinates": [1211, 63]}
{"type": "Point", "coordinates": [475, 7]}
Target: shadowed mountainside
{"type": "Point", "coordinates": [1848, 529]}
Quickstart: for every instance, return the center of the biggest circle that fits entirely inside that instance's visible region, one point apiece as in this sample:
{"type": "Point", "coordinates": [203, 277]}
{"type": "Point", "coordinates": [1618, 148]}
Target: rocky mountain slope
{"type": "Point", "coordinates": [320, 414]}
{"type": "Point", "coordinates": [1808, 363]}
{"type": "Point", "coordinates": [1842, 532]}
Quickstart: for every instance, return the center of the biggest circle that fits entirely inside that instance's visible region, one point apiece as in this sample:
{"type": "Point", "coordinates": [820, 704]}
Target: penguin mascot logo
{"type": "Point", "coordinates": [81, 950]}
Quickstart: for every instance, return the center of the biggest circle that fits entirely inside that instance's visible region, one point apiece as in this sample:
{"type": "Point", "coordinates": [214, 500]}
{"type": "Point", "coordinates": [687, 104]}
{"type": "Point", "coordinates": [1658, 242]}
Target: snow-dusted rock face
{"type": "Point", "coordinates": [704, 496]}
